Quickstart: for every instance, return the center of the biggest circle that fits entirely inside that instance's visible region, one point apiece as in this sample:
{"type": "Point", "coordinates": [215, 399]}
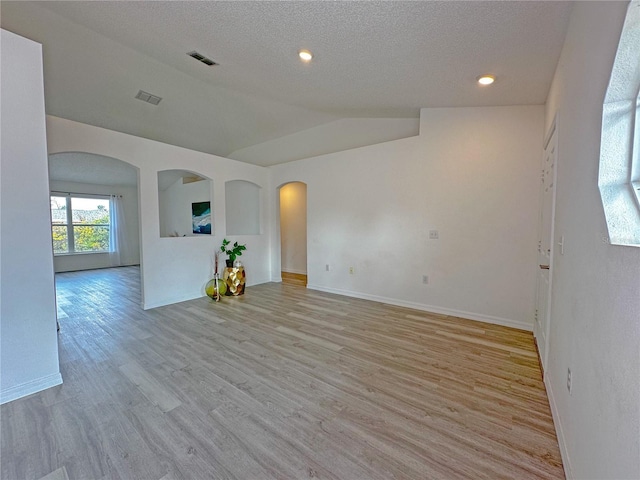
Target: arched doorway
{"type": "Point", "coordinates": [293, 232]}
{"type": "Point", "coordinates": [79, 183]}
{"type": "Point", "coordinates": [95, 227]}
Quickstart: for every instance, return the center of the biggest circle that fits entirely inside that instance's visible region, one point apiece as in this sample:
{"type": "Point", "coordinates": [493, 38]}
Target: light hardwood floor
{"type": "Point", "coordinates": [283, 382]}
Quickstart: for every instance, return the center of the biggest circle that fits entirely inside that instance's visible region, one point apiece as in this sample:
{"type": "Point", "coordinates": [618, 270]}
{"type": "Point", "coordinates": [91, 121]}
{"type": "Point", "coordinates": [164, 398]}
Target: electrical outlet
{"type": "Point", "coordinates": [569, 380]}
{"type": "Point", "coordinates": [352, 270]}
{"type": "Point", "coordinates": [327, 267]}
{"type": "Point", "coordinates": [425, 279]}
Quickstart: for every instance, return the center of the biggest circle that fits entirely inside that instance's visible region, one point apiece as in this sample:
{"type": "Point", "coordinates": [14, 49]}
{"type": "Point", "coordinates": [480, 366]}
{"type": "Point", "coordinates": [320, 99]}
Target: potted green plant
{"type": "Point", "coordinates": [233, 252]}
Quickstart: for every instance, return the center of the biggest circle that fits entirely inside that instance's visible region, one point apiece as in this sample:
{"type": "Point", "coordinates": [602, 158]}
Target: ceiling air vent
{"type": "Point", "coordinates": [147, 97]}
{"type": "Point", "coordinates": [202, 58]}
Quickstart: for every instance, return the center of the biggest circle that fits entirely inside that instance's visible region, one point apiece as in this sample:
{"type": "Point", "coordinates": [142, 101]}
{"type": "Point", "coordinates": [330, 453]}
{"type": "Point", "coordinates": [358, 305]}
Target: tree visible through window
{"type": "Point", "coordinates": [79, 224]}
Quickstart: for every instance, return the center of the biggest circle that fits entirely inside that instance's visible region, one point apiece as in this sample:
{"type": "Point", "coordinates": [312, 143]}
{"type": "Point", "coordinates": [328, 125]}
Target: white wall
{"type": "Point", "coordinates": [243, 207]}
{"type": "Point", "coordinates": [472, 174]}
{"type": "Point", "coordinates": [28, 340]}
{"type": "Point", "coordinates": [86, 261]}
{"type": "Point", "coordinates": [293, 227]}
{"type": "Point", "coordinates": [175, 207]}
{"type": "Point", "coordinates": [595, 310]}
{"type": "Point", "coordinates": [173, 269]}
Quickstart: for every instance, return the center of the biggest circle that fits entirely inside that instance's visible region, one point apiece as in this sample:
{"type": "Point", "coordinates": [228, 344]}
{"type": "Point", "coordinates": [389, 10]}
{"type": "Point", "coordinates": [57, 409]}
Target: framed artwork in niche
{"type": "Point", "coordinates": [201, 217]}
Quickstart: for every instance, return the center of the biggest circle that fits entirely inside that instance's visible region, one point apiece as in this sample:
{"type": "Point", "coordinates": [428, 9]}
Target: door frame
{"type": "Point", "coordinates": [277, 265]}
{"type": "Point", "coordinates": [551, 135]}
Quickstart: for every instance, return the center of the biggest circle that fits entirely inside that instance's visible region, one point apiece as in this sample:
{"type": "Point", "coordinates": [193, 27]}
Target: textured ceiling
{"type": "Point", "coordinates": [372, 59]}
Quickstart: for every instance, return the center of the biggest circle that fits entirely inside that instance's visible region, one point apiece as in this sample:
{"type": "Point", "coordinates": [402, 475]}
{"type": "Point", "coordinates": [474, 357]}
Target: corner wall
{"type": "Point", "coordinates": [471, 174]}
{"type": "Point", "coordinates": [28, 340]}
{"type": "Point", "coordinates": [595, 305]}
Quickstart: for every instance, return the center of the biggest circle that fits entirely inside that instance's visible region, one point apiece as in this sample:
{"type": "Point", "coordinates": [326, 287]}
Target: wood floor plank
{"type": "Point", "coordinates": [310, 338]}
{"type": "Point", "coordinates": [322, 309]}
{"type": "Point", "coordinates": [149, 386]}
{"type": "Point", "coordinates": [316, 321]}
{"type": "Point", "coordinates": [281, 382]}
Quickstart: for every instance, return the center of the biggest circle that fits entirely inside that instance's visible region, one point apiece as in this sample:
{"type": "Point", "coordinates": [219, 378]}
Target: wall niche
{"type": "Point", "coordinates": [184, 204]}
{"type": "Point", "coordinates": [242, 207]}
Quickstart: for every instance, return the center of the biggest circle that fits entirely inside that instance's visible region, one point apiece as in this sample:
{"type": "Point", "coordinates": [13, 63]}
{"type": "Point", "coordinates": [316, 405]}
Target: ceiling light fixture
{"type": "Point", "coordinates": [305, 55]}
{"type": "Point", "coordinates": [486, 79]}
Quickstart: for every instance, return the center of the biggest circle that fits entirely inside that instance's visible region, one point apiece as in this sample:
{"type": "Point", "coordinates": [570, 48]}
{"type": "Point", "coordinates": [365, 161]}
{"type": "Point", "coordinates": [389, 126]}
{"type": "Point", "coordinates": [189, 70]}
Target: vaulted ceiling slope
{"type": "Point", "coordinates": [372, 59]}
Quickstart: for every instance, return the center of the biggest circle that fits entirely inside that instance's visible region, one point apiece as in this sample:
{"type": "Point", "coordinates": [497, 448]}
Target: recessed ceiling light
{"type": "Point", "coordinates": [305, 55]}
{"type": "Point", "coordinates": [486, 79]}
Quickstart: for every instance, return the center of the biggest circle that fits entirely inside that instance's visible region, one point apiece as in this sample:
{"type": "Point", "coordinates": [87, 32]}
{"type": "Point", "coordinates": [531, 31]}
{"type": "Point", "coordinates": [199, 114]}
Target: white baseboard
{"type": "Point", "coordinates": [169, 301]}
{"type": "Point", "coordinates": [185, 298]}
{"type": "Point", "coordinates": [259, 281]}
{"type": "Point", "coordinates": [506, 322]}
{"type": "Point", "coordinates": [34, 386]}
{"type": "Point", "coordinates": [562, 443]}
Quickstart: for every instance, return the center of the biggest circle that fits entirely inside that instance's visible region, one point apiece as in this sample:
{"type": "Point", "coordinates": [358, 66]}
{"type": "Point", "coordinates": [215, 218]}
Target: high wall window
{"type": "Point", "coordinates": [619, 175]}
{"type": "Point", "coordinates": [635, 173]}
{"type": "Point", "coordinates": [79, 224]}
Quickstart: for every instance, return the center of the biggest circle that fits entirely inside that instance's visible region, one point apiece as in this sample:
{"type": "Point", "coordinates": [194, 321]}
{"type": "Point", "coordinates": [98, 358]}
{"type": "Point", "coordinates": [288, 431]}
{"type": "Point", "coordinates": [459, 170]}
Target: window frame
{"type": "Point", "coordinates": [619, 168]}
{"type": "Point", "coordinates": [69, 224]}
{"type": "Point", "coordinates": [635, 163]}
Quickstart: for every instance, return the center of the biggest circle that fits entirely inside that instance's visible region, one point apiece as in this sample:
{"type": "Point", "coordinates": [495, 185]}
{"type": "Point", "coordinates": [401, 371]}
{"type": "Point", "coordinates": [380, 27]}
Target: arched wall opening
{"type": "Point", "coordinates": [185, 204]}
{"type": "Point", "coordinates": [79, 183]}
{"type": "Point", "coordinates": [292, 209]}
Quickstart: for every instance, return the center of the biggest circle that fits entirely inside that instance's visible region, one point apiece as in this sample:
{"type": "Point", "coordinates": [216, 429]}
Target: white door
{"type": "Point", "coordinates": [545, 245]}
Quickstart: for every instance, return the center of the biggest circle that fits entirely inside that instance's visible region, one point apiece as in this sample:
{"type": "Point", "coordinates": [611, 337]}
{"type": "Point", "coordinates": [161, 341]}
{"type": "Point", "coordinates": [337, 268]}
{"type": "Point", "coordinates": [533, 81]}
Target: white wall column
{"type": "Point", "coordinates": [28, 342]}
